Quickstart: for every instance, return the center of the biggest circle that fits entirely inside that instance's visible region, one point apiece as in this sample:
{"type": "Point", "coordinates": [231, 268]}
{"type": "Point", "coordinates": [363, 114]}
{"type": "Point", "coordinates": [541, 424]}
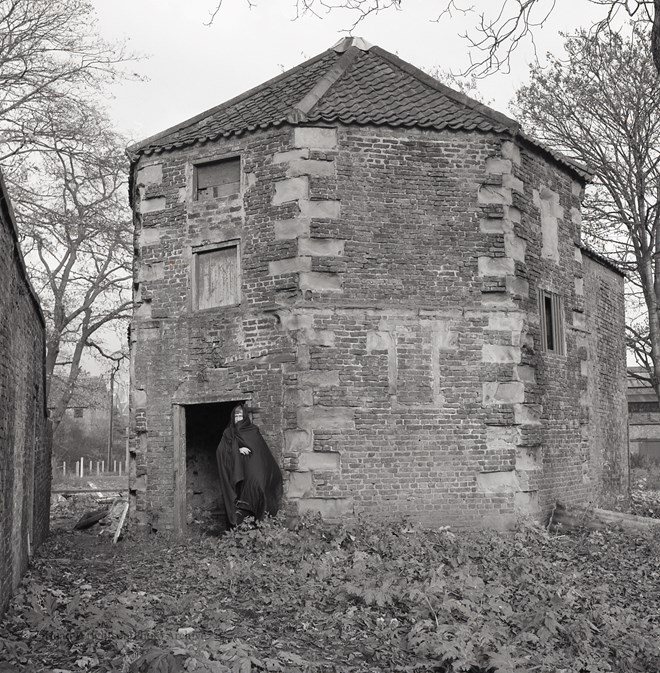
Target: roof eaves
{"type": "Point", "coordinates": [143, 146]}
{"type": "Point", "coordinates": [597, 257]}
{"type": "Point", "coordinates": [500, 121]}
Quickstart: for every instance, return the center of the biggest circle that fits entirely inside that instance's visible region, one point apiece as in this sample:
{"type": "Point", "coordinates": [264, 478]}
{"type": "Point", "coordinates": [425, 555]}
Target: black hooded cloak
{"type": "Point", "coordinates": [251, 485]}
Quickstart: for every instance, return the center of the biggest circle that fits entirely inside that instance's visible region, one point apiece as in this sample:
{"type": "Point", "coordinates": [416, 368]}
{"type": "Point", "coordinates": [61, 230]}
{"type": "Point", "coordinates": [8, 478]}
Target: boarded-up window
{"type": "Point", "coordinates": [217, 278]}
{"type": "Point", "coordinates": [552, 322]}
{"type": "Point", "coordinates": [77, 412]}
{"type": "Point", "coordinates": [218, 178]}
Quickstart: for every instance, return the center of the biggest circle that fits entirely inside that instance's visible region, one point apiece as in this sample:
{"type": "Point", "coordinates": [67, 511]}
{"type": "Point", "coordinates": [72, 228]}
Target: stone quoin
{"type": "Point", "coordinates": [391, 274]}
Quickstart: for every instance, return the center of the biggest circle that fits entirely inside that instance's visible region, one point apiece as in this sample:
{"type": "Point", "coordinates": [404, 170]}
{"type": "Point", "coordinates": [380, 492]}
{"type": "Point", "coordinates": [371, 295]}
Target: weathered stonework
{"type": "Point", "coordinates": [24, 440]}
{"type": "Point", "coordinates": [388, 332]}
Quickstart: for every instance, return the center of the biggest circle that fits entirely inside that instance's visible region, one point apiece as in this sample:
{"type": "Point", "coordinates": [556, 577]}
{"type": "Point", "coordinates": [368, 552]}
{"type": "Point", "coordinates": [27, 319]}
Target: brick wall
{"type": "Point", "coordinates": [24, 443]}
{"type": "Point", "coordinates": [388, 329]}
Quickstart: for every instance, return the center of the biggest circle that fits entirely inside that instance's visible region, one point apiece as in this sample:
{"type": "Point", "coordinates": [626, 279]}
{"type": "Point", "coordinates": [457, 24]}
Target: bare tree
{"type": "Point", "coordinates": [50, 57]}
{"type": "Point", "coordinates": [76, 235]}
{"type": "Point", "coordinates": [500, 25]}
{"type": "Point", "coordinates": [66, 174]}
{"type": "Point", "coordinates": [601, 106]}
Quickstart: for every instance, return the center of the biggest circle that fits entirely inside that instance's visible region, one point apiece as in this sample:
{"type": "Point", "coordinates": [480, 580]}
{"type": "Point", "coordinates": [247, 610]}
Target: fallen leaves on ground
{"type": "Point", "coordinates": [356, 598]}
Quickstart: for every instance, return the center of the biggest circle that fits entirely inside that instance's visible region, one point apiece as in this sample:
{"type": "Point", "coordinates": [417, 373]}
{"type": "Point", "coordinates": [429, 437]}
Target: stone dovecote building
{"type": "Point", "coordinates": [392, 275]}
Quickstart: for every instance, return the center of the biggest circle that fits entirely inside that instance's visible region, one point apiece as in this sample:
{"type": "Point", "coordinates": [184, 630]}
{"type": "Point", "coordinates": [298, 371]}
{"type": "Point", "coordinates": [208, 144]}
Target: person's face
{"type": "Point", "coordinates": [238, 415]}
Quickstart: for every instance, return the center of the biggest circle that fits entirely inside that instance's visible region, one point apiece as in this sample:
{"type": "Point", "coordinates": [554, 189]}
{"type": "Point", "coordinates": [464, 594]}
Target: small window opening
{"type": "Point", "coordinates": [217, 277]}
{"type": "Point", "coordinates": [218, 178]}
{"type": "Point", "coordinates": [78, 412]}
{"type": "Point", "coordinates": [552, 322]}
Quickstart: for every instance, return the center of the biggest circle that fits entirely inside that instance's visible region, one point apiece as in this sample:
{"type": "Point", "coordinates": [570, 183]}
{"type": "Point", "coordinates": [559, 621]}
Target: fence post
{"type": "Point", "coordinates": [64, 469]}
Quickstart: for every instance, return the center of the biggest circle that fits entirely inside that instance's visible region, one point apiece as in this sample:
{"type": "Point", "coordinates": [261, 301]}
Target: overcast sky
{"type": "Point", "coordinates": [191, 67]}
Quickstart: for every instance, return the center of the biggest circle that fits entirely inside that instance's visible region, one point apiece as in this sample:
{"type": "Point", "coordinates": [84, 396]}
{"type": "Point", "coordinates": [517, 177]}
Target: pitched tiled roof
{"type": "Point", "coordinates": [351, 83]}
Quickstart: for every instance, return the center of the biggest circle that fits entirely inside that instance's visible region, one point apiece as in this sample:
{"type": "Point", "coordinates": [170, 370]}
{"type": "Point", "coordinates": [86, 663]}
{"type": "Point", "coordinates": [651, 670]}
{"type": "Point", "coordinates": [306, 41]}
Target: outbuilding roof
{"type": "Point", "coordinates": [350, 83]}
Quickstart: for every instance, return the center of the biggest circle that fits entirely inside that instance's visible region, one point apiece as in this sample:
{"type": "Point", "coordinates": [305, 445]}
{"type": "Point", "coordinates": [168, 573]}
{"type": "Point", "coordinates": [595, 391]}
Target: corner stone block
{"type": "Point", "coordinates": [492, 225]}
{"type": "Point", "coordinates": [579, 321]}
{"type": "Point", "coordinates": [319, 379]}
{"type": "Point", "coordinates": [525, 373]}
{"type": "Point", "coordinates": [291, 189]}
{"type": "Point", "coordinates": [527, 414]}
{"type": "Point", "coordinates": [150, 175]}
{"type": "Point", "coordinates": [286, 229]}
{"type": "Point", "coordinates": [328, 508]}
{"type": "Point", "coordinates": [515, 247]}
{"type": "Point", "coordinates": [500, 354]}
{"type": "Point", "coordinates": [319, 461]}
{"type": "Point", "coordinates": [139, 398]}
{"type": "Point", "coordinates": [320, 281]}
{"type": "Point", "coordinates": [154, 271]}
{"type": "Point", "coordinates": [511, 151]}
{"type": "Point", "coordinates": [290, 155]}
{"type": "Point", "coordinates": [316, 138]}
{"type": "Point", "coordinates": [502, 438]}
{"type": "Point", "coordinates": [152, 205]}
{"type": "Point", "coordinates": [498, 166]}
{"type": "Point", "coordinates": [149, 236]}
{"type": "Point", "coordinates": [489, 194]}
{"type": "Point", "coordinates": [326, 210]}
{"type": "Point", "coordinates": [321, 247]}
{"type": "Point", "coordinates": [497, 482]}
{"type": "Point", "coordinates": [513, 183]}
{"type": "Point", "coordinates": [526, 502]}
{"type": "Point", "coordinates": [296, 441]}
{"type": "Point", "coordinates": [496, 266]}
{"type": "Point", "coordinates": [299, 484]}
{"type": "Point", "coordinates": [512, 392]}
{"type": "Point", "coordinates": [378, 341]}
{"type": "Point", "coordinates": [289, 265]}
{"type": "Point", "coordinates": [313, 167]}
{"type": "Point", "coordinates": [326, 418]}
{"type": "Point", "coordinates": [517, 286]}
{"type": "Point", "coordinates": [527, 459]}
{"type": "Point", "coordinates": [318, 337]}
{"type": "Point", "coordinates": [295, 321]}
{"type": "Point", "coordinates": [505, 322]}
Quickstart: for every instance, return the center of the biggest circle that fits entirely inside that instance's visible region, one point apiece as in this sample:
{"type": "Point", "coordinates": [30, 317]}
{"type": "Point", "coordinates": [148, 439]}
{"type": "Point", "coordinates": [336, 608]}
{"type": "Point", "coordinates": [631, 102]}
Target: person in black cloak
{"type": "Point", "coordinates": [250, 477]}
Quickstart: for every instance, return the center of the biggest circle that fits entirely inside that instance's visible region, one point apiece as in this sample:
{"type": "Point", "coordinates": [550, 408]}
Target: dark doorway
{"type": "Point", "coordinates": [205, 424]}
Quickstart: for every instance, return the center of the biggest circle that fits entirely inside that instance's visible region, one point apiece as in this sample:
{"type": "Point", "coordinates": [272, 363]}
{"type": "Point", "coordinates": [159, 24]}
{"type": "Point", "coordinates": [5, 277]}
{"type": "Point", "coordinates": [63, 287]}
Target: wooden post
{"type": "Point", "coordinates": [77, 468]}
{"type": "Point", "coordinates": [82, 468]}
{"type": "Point", "coordinates": [120, 468]}
{"type": "Point", "coordinates": [114, 466]}
{"type": "Point", "coordinates": [103, 466]}
{"type": "Point", "coordinates": [64, 469]}
{"type": "Point", "coordinates": [98, 468]}
{"type": "Point", "coordinates": [179, 422]}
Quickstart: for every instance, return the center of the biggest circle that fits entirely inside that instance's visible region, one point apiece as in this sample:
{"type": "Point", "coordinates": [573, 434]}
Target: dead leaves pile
{"type": "Point", "coordinates": [356, 599]}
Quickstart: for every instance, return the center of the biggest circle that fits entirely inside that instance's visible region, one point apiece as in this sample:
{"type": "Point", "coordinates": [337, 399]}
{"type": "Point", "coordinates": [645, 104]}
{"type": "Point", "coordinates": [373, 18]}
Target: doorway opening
{"type": "Point", "coordinates": [204, 426]}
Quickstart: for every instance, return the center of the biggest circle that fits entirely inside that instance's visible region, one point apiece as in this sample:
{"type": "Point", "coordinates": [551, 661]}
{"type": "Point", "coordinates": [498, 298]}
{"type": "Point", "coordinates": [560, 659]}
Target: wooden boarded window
{"type": "Point", "coordinates": [218, 178]}
{"type": "Point", "coordinates": [551, 316]}
{"type": "Point", "coordinates": [217, 277]}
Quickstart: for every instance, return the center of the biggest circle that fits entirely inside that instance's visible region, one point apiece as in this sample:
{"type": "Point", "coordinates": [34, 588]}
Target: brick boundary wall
{"type": "Point", "coordinates": [25, 466]}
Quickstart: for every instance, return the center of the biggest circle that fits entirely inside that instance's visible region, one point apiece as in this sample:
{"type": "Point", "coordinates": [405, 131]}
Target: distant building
{"type": "Point", "coordinates": [24, 438]}
{"type": "Point", "coordinates": [392, 274]}
{"type": "Point", "coordinates": [89, 406]}
{"type": "Point", "coordinates": [643, 416]}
